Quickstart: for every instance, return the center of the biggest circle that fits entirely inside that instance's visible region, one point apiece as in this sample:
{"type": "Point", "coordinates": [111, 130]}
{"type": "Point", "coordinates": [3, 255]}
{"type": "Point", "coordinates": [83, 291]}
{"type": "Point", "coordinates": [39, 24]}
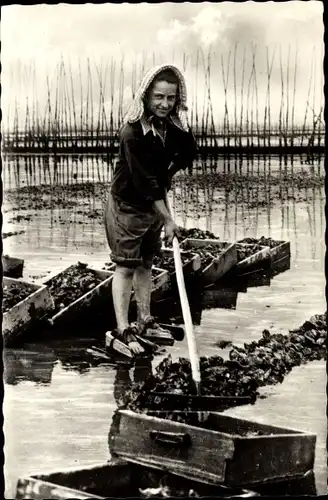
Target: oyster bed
{"type": "Point", "coordinates": [263, 362]}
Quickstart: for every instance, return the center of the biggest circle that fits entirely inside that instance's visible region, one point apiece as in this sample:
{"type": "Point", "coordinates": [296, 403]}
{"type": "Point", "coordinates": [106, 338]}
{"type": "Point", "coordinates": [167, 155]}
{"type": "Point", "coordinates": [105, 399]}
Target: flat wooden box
{"type": "Point", "coordinates": [259, 260]}
{"type": "Point", "coordinates": [280, 251]}
{"type": "Point", "coordinates": [102, 293]}
{"type": "Point", "coordinates": [12, 267]}
{"type": "Point", "coordinates": [27, 312]}
{"type": "Point", "coordinates": [219, 265]}
{"type": "Point", "coordinates": [217, 454]}
{"type": "Point", "coordinates": [114, 479]}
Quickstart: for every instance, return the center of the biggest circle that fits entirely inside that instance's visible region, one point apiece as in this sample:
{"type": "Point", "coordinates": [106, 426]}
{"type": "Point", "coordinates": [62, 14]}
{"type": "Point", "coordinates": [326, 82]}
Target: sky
{"type": "Point", "coordinates": [40, 35]}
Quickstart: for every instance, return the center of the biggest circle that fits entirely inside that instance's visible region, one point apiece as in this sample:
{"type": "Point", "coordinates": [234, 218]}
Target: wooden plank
{"type": "Point", "coordinates": [27, 312]}
{"type": "Point", "coordinates": [12, 267]}
{"type": "Point", "coordinates": [84, 304]}
{"type": "Point", "coordinates": [116, 345]}
{"type": "Point", "coordinates": [221, 264]}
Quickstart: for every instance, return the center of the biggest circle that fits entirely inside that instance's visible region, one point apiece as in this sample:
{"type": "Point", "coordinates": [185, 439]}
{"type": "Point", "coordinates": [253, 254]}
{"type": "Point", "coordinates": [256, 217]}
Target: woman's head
{"type": "Point", "coordinates": [162, 96]}
{"type": "Point", "coordinates": [164, 79]}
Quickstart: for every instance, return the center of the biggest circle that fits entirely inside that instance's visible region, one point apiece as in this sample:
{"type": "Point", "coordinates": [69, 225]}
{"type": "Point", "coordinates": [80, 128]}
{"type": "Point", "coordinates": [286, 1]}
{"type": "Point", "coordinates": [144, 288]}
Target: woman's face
{"type": "Point", "coordinates": [162, 98]}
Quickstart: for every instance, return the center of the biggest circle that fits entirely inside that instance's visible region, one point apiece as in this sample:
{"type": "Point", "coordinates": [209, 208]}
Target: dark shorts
{"type": "Point", "coordinates": [134, 237]}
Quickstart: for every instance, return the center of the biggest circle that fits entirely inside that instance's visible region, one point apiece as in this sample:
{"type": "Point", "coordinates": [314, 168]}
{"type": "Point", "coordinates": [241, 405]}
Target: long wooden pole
{"type": "Point", "coordinates": [191, 341]}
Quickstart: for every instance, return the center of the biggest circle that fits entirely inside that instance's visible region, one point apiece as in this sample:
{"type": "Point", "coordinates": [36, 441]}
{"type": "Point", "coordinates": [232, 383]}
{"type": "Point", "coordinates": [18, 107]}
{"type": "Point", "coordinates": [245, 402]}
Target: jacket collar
{"type": "Point", "coordinates": [147, 124]}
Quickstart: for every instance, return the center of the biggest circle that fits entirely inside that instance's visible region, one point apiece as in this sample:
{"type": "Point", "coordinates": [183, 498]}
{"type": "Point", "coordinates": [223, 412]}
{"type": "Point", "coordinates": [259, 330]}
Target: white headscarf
{"type": "Point", "coordinates": [137, 110]}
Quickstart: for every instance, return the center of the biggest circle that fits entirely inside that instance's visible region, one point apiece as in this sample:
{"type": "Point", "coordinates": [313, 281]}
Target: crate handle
{"type": "Point", "coordinates": [171, 438]}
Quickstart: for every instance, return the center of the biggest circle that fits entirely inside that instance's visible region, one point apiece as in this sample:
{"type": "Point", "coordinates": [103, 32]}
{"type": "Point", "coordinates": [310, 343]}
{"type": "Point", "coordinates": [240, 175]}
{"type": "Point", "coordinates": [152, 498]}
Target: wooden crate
{"type": "Point", "coordinates": [114, 479]}
{"type": "Point", "coordinates": [219, 265]}
{"type": "Point", "coordinates": [259, 260]}
{"type": "Point", "coordinates": [26, 313]}
{"type": "Point", "coordinates": [278, 252]}
{"type": "Point", "coordinates": [190, 267]}
{"type": "Point", "coordinates": [12, 267]}
{"type": "Point", "coordinates": [81, 307]}
{"type": "Point", "coordinates": [221, 453]}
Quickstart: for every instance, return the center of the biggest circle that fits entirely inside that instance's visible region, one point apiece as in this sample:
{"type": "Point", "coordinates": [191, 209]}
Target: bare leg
{"type": "Point", "coordinates": [142, 289]}
{"type": "Point", "coordinates": [122, 287]}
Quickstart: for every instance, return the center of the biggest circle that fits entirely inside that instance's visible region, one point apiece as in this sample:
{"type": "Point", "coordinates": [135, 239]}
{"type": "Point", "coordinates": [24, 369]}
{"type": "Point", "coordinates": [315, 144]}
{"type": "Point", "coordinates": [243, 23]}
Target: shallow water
{"type": "Point", "coordinates": [57, 407]}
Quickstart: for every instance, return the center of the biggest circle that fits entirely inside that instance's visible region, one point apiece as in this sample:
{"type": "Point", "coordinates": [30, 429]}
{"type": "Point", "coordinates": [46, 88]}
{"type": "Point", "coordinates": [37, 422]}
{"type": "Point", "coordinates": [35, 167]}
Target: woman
{"type": "Point", "coordinates": [155, 142]}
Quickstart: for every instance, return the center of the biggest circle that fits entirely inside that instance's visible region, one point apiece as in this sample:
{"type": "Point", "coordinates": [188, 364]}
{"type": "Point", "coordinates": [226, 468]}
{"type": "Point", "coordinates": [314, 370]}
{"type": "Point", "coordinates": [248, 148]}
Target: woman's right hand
{"type": "Point", "coordinates": [171, 229]}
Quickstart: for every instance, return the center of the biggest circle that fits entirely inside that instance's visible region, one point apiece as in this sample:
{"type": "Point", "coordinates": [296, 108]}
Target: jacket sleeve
{"type": "Point", "coordinates": [185, 157]}
{"type": "Point", "coordinates": [141, 169]}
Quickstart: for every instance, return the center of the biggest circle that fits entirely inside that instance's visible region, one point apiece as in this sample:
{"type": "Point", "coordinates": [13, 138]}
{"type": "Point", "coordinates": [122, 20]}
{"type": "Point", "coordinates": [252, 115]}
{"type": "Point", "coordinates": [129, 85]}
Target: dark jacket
{"type": "Point", "coordinates": [141, 172]}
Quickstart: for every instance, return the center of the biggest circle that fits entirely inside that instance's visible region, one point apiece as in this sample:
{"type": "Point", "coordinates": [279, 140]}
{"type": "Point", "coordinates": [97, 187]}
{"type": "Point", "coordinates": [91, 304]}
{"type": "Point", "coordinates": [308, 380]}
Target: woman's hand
{"type": "Point", "coordinates": [171, 230]}
{"type": "Point", "coordinates": [170, 227]}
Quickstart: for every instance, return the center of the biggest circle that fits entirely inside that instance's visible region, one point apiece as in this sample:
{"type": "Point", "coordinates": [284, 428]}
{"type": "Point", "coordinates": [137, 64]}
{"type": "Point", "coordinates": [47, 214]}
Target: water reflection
{"type": "Point", "coordinates": [63, 169]}
{"type": "Point", "coordinates": [122, 384]}
{"type": "Point", "coordinates": [214, 297]}
{"type": "Point", "coordinates": [123, 380]}
{"type": "Point", "coordinates": [29, 365]}
{"type": "Point", "coordinates": [77, 354]}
